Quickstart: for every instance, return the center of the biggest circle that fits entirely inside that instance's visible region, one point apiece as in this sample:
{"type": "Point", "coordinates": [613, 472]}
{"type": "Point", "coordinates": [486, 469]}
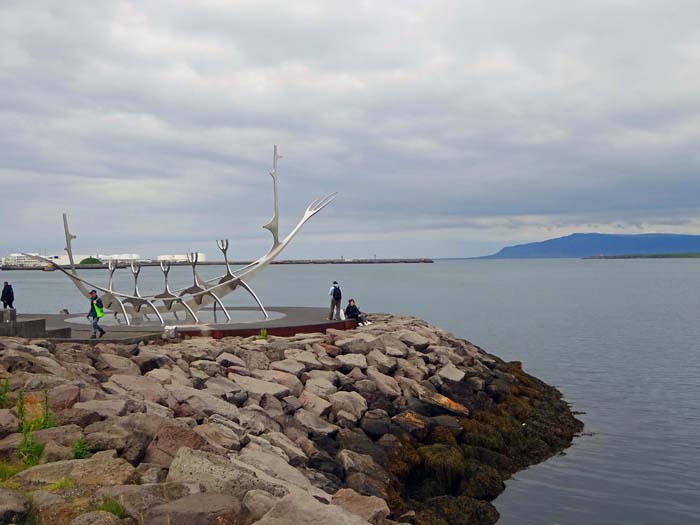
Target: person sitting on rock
{"type": "Point", "coordinates": [353, 312]}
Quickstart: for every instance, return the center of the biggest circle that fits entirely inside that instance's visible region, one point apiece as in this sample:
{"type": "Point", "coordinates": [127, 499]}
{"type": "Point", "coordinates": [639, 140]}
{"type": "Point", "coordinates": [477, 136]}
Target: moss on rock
{"type": "Point", "coordinates": [443, 463]}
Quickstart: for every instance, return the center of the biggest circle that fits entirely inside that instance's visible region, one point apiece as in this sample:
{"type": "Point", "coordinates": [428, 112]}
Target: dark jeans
{"type": "Point", "coordinates": [362, 318]}
{"type": "Point", "coordinates": [335, 307]}
{"type": "Point", "coordinates": [7, 304]}
{"type": "Point", "coordinates": [96, 326]}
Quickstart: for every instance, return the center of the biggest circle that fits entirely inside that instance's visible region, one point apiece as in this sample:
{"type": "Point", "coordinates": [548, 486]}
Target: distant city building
{"type": "Point", "coordinates": [181, 257]}
{"type": "Point", "coordinates": [25, 261]}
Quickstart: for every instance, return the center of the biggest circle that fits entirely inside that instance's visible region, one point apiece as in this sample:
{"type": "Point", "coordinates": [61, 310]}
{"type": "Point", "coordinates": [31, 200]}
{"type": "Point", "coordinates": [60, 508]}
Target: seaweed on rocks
{"type": "Point", "coordinates": [398, 410]}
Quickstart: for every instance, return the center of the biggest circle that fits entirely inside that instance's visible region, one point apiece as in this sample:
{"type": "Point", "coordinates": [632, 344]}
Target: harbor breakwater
{"type": "Point", "coordinates": [395, 422]}
{"type": "Point", "coordinates": [423, 260]}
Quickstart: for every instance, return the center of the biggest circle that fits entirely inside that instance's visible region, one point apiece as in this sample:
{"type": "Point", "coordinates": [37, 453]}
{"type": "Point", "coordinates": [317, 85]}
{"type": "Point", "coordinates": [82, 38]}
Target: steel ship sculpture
{"type": "Point", "coordinates": [201, 293]}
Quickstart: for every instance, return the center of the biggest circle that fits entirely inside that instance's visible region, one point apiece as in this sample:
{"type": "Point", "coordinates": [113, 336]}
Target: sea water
{"type": "Point", "coordinates": [619, 338]}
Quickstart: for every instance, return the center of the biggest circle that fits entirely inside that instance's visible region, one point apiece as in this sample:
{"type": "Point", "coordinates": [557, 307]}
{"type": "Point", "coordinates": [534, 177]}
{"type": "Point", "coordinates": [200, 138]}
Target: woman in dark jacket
{"type": "Point", "coordinates": [8, 295]}
{"type": "Point", "coordinates": [353, 312]}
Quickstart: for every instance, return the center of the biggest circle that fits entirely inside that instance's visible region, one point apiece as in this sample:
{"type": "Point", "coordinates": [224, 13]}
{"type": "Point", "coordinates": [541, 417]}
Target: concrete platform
{"type": "Point", "coordinates": [284, 321]}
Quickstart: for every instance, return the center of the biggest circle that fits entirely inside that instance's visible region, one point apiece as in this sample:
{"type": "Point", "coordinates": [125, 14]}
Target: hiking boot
{"type": "Point", "coordinates": [93, 336]}
{"type": "Point", "coordinates": [102, 333]}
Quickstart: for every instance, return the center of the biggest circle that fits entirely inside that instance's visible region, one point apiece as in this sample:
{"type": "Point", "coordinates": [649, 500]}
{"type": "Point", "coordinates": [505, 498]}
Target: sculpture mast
{"type": "Point", "coordinates": [274, 225]}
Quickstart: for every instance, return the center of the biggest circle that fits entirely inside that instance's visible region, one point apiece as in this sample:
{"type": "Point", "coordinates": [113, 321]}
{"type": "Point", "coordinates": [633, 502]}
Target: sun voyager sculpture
{"type": "Point", "coordinates": [201, 293]}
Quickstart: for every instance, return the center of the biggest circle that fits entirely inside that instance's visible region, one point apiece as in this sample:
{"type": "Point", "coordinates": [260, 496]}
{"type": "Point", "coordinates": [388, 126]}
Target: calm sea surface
{"type": "Point", "coordinates": [620, 339]}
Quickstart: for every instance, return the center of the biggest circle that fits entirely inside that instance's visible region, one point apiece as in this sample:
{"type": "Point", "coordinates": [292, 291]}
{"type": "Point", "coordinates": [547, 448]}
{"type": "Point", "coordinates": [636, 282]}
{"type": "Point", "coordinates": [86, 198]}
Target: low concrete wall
{"type": "Point", "coordinates": [7, 315]}
{"type": "Point", "coordinates": [35, 328]}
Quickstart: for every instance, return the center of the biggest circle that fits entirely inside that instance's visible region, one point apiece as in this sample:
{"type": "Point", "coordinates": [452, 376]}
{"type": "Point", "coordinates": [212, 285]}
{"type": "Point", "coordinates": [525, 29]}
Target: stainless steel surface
{"type": "Point", "coordinates": [202, 292]}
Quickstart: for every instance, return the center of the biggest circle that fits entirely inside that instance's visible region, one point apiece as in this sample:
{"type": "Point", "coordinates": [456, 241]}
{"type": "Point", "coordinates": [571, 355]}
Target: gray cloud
{"type": "Point", "coordinates": [449, 128]}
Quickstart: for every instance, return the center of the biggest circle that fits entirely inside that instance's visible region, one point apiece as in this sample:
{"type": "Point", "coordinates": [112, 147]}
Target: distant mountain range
{"type": "Point", "coordinates": [580, 245]}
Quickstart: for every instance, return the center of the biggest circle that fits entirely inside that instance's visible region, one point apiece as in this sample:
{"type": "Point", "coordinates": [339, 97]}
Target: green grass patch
{"type": "Point", "coordinates": [61, 484]}
{"type": "Point", "coordinates": [48, 418]}
{"type": "Point", "coordinates": [30, 450]}
{"type": "Point", "coordinates": [7, 470]}
{"type": "Point", "coordinates": [5, 394]}
{"type": "Point", "coordinates": [11, 485]}
{"type": "Point", "coordinates": [112, 505]}
{"type": "Point", "coordinates": [81, 449]}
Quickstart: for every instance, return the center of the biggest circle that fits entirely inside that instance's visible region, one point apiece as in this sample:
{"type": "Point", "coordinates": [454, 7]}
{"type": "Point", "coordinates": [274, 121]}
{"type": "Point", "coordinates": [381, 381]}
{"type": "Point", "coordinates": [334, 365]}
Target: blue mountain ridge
{"type": "Point", "coordinates": [579, 245]}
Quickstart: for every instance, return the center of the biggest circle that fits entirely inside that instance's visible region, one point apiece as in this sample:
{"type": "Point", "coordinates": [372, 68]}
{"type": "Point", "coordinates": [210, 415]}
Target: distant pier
{"type": "Point", "coordinates": [234, 263]}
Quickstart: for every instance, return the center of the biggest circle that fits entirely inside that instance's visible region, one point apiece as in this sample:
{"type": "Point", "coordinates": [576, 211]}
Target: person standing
{"type": "Point", "coordinates": [8, 296]}
{"type": "Point", "coordinates": [336, 295]}
{"type": "Point", "coordinates": [96, 313]}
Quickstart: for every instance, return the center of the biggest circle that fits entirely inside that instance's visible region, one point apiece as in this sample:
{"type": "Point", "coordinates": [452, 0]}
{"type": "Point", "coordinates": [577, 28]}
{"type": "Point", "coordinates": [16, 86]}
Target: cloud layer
{"type": "Point", "coordinates": [449, 128]}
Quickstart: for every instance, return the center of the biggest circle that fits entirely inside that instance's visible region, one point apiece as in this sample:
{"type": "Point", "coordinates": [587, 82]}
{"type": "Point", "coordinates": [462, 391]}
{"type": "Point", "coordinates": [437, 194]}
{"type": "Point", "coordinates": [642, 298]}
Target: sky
{"type": "Point", "coordinates": [448, 128]}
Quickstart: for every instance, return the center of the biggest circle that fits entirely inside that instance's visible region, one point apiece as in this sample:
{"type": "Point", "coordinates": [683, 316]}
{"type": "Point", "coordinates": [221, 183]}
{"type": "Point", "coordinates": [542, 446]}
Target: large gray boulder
{"type": "Point", "coordinates": [203, 402]}
{"type": "Point", "coordinates": [168, 441]}
{"type": "Point", "coordinates": [138, 499]}
{"type": "Point", "coordinates": [257, 503]}
{"type": "Point", "coordinates": [99, 470]}
{"type": "Point", "coordinates": [259, 387]}
{"type": "Point", "coordinates": [356, 343]}
{"type": "Point", "coordinates": [139, 387]}
{"type": "Point", "coordinates": [9, 424]}
{"type": "Point", "coordinates": [370, 508]}
{"type": "Point", "coordinates": [96, 517]}
{"type": "Point", "coordinates": [387, 385]}
{"type": "Point", "coordinates": [320, 387]}
{"type": "Point", "coordinates": [392, 345]}
{"type": "Point", "coordinates": [305, 509]}
{"type": "Point", "coordinates": [350, 361]}
{"type": "Point", "coordinates": [382, 362]}
{"type": "Point", "coordinates": [316, 426]}
{"type": "Point", "coordinates": [305, 357]}
{"type": "Point", "coordinates": [451, 373]}
{"type": "Point", "coordinates": [105, 407]}
{"type": "Point", "coordinates": [314, 403]}
{"type": "Point", "coordinates": [13, 507]}
{"type": "Point", "coordinates": [291, 366]}
{"type": "Point", "coordinates": [204, 509]}
{"type": "Point", "coordinates": [296, 455]}
{"type": "Point", "coordinates": [232, 476]}
{"type": "Point", "coordinates": [350, 402]}
{"type": "Point", "coordinates": [227, 359]}
{"type": "Point", "coordinates": [218, 435]}
{"type": "Point", "coordinates": [286, 379]}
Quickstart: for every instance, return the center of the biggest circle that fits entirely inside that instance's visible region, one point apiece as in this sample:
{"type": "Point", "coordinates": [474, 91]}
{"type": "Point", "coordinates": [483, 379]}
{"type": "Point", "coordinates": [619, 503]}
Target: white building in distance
{"type": "Point", "coordinates": [25, 261]}
{"type": "Point", "coordinates": [181, 258]}
{"type": "Point", "coordinates": [122, 258]}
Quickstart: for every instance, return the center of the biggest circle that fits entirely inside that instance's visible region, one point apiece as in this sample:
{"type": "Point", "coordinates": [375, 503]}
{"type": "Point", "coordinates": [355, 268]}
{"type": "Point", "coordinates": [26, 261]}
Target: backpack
{"type": "Point", "coordinates": [337, 294]}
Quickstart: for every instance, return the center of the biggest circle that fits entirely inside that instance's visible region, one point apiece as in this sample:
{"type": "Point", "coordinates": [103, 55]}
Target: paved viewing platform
{"type": "Point", "coordinates": [283, 321]}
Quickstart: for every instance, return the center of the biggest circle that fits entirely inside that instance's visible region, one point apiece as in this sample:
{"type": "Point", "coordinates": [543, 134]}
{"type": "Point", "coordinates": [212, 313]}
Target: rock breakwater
{"type": "Point", "coordinates": [395, 422]}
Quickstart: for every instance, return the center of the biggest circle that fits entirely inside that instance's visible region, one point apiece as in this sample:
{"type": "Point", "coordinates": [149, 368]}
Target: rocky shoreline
{"type": "Point", "coordinates": [395, 422]}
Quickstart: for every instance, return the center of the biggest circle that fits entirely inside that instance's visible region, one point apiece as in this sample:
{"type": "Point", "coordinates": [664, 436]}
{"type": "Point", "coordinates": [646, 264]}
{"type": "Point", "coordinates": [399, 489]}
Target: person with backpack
{"type": "Point", "coordinates": [8, 296]}
{"type": "Point", "coordinates": [336, 295]}
{"type": "Point", "coordinates": [96, 313]}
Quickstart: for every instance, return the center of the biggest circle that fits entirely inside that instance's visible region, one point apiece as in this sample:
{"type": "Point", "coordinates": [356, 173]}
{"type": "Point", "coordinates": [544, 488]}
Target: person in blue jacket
{"type": "Point", "coordinates": [96, 313]}
{"type": "Point", "coordinates": [353, 312]}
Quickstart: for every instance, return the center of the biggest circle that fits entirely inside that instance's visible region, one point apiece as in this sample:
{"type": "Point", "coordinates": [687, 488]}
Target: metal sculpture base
{"type": "Point", "coordinates": [206, 316]}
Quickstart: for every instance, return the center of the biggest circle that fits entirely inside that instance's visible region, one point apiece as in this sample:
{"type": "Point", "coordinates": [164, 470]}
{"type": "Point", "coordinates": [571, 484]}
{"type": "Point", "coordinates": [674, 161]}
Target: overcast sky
{"type": "Point", "coordinates": [449, 129]}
